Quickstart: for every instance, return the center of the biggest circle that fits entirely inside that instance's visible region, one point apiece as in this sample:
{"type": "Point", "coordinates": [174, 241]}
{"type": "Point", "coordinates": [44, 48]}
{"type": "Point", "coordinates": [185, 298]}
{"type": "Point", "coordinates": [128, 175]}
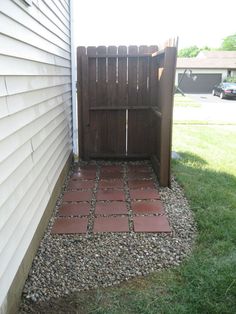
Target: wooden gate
{"type": "Point", "coordinates": [125, 98]}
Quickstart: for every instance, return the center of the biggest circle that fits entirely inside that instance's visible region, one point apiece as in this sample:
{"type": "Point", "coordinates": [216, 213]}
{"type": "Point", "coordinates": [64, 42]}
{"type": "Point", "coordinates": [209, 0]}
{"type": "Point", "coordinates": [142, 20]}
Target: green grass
{"type": "Point", "coordinates": [185, 101]}
{"type": "Point", "coordinates": [206, 282]}
{"type": "Point", "coordinates": [207, 171]}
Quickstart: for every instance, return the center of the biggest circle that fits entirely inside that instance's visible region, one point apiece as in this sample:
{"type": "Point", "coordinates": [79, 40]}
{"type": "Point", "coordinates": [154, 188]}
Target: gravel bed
{"type": "Point", "coordinates": [65, 264]}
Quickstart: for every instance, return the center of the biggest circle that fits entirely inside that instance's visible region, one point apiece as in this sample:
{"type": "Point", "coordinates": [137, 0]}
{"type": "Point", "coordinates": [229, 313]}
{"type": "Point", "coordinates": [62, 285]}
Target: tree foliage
{"type": "Point", "coordinates": [230, 79]}
{"type": "Point", "coordinates": [229, 43]}
{"type": "Point", "coordinates": [191, 52]}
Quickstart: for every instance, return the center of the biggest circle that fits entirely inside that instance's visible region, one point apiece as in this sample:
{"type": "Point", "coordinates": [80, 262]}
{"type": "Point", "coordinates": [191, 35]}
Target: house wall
{"type": "Point", "coordinates": [35, 121]}
{"type": "Point", "coordinates": [223, 72]}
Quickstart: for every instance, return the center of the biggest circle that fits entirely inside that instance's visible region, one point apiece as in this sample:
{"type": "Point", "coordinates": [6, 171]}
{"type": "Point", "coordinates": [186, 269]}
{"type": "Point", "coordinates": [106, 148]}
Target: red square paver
{"type": "Point", "coordinates": [139, 175]}
{"type": "Point", "coordinates": [110, 195]}
{"type": "Point", "coordinates": [111, 175]}
{"type": "Point", "coordinates": [151, 224]}
{"type": "Point", "coordinates": [111, 224]}
{"type": "Point", "coordinates": [111, 168]}
{"type": "Point", "coordinates": [111, 208]}
{"type": "Point", "coordinates": [111, 184]}
{"type": "Point", "coordinates": [84, 174]}
{"type": "Point", "coordinates": [87, 167]}
{"type": "Point", "coordinates": [147, 207]}
{"type": "Point", "coordinates": [141, 184]}
{"type": "Point", "coordinates": [70, 225]}
{"type": "Point", "coordinates": [81, 185]}
{"type": "Point", "coordinates": [77, 209]}
{"type": "Point", "coordinates": [77, 196]}
{"type": "Point", "coordinates": [139, 168]}
{"type": "Point", "coordinates": [144, 194]}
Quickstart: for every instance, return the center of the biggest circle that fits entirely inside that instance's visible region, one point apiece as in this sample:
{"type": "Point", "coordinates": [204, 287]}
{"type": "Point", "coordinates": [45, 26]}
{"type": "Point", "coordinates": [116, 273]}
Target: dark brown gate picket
{"type": "Point", "coordinates": [125, 100]}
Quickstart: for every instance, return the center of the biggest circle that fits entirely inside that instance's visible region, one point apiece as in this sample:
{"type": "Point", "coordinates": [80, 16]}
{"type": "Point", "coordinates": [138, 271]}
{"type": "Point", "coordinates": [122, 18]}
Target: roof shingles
{"type": "Point", "coordinates": [209, 60]}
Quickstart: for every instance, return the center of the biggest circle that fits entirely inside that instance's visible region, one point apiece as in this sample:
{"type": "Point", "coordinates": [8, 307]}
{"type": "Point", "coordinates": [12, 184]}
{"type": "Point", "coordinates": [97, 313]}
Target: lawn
{"type": "Point", "coordinates": [185, 101]}
{"type": "Point", "coordinates": [206, 282]}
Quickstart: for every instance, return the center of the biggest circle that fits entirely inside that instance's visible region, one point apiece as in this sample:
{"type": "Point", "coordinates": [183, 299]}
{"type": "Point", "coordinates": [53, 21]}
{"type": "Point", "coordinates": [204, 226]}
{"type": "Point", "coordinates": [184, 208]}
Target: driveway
{"type": "Point", "coordinates": [209, 99]}
{"type": "Point", "coordinates": [212, 110]}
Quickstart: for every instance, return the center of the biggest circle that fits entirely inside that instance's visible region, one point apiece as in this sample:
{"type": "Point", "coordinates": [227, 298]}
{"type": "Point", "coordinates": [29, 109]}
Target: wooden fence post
{"type": "Point", "coordinates": [82, 96]}
{"type": "Point", "coordinates": [80, 52]}
{"type": "Point", "coordinates": [166, 93]}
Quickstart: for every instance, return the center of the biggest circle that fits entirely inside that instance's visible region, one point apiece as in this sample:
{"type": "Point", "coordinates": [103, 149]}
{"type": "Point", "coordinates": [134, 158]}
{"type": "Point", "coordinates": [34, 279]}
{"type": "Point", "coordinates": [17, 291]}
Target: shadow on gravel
{"type": "Point", "coordinates": [73, 304]}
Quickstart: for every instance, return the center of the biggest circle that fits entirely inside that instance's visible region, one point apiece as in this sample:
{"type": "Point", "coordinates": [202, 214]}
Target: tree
{"type": "Point", "coordinates": [229, 43]}
{"type": "Point", "coordinates": [189, 52]}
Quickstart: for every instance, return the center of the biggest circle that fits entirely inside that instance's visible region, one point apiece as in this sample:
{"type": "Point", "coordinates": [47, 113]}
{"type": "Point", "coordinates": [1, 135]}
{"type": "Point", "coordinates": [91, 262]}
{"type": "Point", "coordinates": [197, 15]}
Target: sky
{"type": "Point", "coordinates": [151, 22]}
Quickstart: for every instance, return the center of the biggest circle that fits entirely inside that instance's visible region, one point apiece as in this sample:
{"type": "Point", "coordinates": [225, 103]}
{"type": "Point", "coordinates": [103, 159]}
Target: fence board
{"type": "Point", "coordinates": [92, 76]}
{"type": "Point", "coordinates": [143, 65]}
{"type": "Point", "coordinates": [139, 132]}
{"type": "Point", "coordinates": [112, 77]}
{"type": "Point", "coordinates": [107, 135]}
{"type": "Point", "coordinates": [167, 92]}
{"type": "Point", "coordinates": [153, 83]}
{"type": "Point", "coordinates": [85, 105]}
{"type": "Point", "coordinates": [101, 77]}
{"type": "Point", "coordinates": [80, 52]}
{"type": "Point", "coordinates": [122, 77]}
{"type": "Point", "coordinates": [132, 76]}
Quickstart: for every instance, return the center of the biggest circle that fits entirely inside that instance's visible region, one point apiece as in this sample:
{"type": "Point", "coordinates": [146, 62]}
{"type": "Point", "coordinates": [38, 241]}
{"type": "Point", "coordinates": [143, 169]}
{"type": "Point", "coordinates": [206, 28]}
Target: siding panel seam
{"type": "Point", "coordinates": [39, 22]}
{"type": "Point", "coordinates": [46, 16]}
{"type": "Point", "coordinates": [39, 35]}
{"type": "Point", "coordinates": [39, 118]}
{"type": "Point", "coordinates": [46, 162]}
{"type": "Point", "coordinates": [49, 7]}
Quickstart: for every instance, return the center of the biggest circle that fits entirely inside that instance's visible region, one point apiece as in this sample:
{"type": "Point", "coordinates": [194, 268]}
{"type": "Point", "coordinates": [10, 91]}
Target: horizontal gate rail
{"type": "Point", "coordinates": [120, 108]}
{"type": "Point", "coordinates": [147, 55]}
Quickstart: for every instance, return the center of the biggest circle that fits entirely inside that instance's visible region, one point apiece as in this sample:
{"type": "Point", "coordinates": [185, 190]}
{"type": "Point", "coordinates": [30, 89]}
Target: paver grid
{"type": "Point", "coordinates": [111, 198]}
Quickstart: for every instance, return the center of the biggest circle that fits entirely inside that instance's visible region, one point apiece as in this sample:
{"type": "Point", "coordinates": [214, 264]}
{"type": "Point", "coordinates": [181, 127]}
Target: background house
{"type": "Point", "coordinates": [210, 68]}
{"type": "Point", "coordinates": [35, 130]}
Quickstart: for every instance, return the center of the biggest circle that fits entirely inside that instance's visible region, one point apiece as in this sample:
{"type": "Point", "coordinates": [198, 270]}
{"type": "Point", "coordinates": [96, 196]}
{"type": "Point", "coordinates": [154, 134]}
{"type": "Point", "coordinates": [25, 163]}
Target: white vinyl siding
{"type": "Point", "coordinates": [35, 120]}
